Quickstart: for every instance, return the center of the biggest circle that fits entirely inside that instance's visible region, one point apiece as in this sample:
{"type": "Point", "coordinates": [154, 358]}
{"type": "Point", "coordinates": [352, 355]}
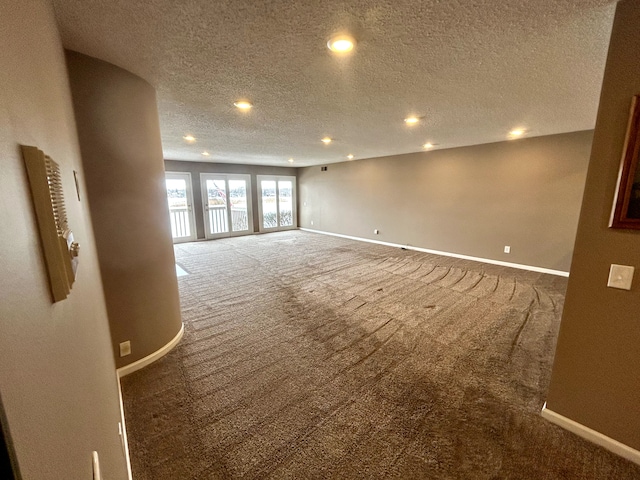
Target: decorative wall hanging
{"type": "Point", "coordinates": [626, 208]}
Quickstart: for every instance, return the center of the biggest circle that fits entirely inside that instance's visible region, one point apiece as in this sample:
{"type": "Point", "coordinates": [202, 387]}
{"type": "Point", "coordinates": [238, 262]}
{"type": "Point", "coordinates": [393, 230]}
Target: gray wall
{"type": "Point", "coordinates": [196, 168]}
{"type": "Point", "coordinates": [57, 375]}
{"type": "Point", "coordinates": [596, 374]}
{"type": "Point", "coordinates": [119, 135]}
{"type": "Point", "coordinates": [473, 200]}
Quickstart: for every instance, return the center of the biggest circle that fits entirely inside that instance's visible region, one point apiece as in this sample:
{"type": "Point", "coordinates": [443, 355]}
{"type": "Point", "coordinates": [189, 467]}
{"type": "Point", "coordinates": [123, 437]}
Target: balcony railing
{"type": "Point", "coordinates": [218, 219]}
{"type": "Point", "coordinates": [180, 225]}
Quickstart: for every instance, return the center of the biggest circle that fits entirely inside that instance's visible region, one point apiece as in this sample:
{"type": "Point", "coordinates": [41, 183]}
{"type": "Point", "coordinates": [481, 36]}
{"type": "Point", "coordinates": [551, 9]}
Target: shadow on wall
{"type": "Point", "coordinates": [6, 468]}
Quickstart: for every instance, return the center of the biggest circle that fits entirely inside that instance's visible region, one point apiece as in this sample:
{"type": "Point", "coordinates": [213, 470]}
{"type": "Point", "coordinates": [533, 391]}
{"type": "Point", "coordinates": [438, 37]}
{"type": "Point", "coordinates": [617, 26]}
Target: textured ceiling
{"type": "Point", "coordinates": [474, 69]}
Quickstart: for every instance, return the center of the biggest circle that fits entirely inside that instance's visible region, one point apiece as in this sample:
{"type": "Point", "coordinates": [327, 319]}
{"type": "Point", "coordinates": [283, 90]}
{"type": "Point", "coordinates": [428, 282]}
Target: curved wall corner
{"type": "Point", "coordinates": [119, 133]}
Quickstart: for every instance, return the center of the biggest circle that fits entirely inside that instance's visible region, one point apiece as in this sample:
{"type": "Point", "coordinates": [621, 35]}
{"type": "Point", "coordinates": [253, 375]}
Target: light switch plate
{"type": "Point", "coordinates": [125, 348]}
{"type": "Point", "coordinates": [620, 276]}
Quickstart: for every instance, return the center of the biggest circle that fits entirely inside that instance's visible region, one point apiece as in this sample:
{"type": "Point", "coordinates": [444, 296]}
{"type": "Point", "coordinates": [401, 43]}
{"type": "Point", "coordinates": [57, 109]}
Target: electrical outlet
{"type": "Point", "coordinates": [125, 348]}
{"type": "Point", "coordinates": [376, 231]}
{"type": "Point", "coordinates": [507, 249]}
{"type": "Point", "coordinates": [311, 222]}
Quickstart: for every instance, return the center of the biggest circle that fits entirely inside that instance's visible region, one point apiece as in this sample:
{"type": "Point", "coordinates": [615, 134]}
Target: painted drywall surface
{"type": "Point", "coordinates": [57, 375]}
{"type": "Point", "coordinates": [472, 201]}
{"type": "Point", "coordinates": [121, 151]}
{"type": "Point", "coordinates": [596, 374]}
{"type": "Point", "coordinates": [196, 168]}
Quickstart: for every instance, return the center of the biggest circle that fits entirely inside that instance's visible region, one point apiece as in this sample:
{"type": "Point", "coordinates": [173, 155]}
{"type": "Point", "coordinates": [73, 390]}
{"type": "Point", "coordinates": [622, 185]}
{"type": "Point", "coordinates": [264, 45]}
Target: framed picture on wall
{"type": "Point", "coordinates": [626, 207]}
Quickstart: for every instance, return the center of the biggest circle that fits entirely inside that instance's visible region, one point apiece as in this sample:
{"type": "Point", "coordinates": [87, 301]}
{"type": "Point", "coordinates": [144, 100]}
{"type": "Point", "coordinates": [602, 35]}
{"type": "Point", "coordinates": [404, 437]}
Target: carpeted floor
{"type": "Point", "coordinates": [307, 356]}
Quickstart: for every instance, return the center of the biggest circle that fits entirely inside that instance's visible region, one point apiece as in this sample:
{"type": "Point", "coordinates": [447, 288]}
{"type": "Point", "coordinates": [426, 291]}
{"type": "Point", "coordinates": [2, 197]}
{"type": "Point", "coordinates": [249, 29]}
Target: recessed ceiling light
{"type": "Point", "coordinates": [205, 153]}
{"type": "Point", "coordinates": [326, 140]}
{"type": "Point", "coordinates": [350, 157]}
{"type": "Point", "coordinates": [517, 132]}
{"type": "Point", "coordinates": [411, 120]}
{"type": "Point", "coordinates": [427, 145]}
{"type": "Point", "coordinates": [189, 138]}
{"type": "Point", "coordinates": [243, 105]}
{"type": "Point", "coordinates": [341, 44]}
{"type": "Point", "coordinates": [290, 160]}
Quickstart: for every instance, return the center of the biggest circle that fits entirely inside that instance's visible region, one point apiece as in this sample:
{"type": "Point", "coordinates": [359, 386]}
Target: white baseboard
{"type": "Point", "coordinates": [126, 370]}
{"type": "Point", "coordinates": [125, 441]}
{"type": "Point", "coordinates": [587, 433]}
{"type": "Point", "coordinates": [447, 254]}
{"type": "Point", "coordinates": [143, 362]}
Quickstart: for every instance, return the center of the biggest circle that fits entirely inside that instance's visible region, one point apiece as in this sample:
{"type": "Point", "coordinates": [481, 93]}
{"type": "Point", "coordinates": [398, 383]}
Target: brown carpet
{"type": "Point", "coordinates": [307, 356]}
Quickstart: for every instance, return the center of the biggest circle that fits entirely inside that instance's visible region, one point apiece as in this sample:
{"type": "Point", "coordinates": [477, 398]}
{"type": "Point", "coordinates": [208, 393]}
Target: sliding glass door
{"type": "Point", "coordinates": [227, 204]}
{"type": "Point", "coordinates": [277, 205]}
{"type": "Point", "coordinates": [180, 206]}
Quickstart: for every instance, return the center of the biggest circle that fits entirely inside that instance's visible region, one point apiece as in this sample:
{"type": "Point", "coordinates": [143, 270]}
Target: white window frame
{"type": "Point", "coordinates": [294, 200]}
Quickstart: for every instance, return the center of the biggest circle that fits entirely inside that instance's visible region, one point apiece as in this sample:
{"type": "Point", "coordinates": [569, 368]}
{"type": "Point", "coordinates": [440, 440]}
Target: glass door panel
{"type": "Point", "coordinates": [269, 204]}
{"type": "Point", "coordinates": [216, 206]}
{"type": "Point", "coordinates": [180, 203]}
{"type": "Point", "coordinates": [239, 205]}
{"type": "Point", "coordinates": [285, 205]}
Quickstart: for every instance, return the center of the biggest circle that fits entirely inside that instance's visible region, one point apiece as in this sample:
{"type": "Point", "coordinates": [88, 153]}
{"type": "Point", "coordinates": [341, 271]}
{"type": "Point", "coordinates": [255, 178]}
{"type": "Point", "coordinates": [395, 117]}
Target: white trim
{"type": "Point", "coordinates": [448, 254]}
{"type": "Point", "coordinates": [125, 442]}
{"type": "Point", "coordinates": [589, 434]}
{"type": "Point", "coordinates": [143, 362]}
{"type": "Point", "coordinates": [126, 370]}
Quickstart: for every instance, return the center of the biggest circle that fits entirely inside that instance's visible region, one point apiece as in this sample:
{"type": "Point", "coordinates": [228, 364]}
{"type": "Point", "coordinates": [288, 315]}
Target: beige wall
{"type": "Point", "coordinates": [596, 374]}
{"type": "Point", "coordinates": [119, 137]}
{"type": "Point", "coordinates": [57, 375]}
{"type": "Point", "coordinates": [471, 201]}
{"type": "Point", "coordinates": [196, 168]}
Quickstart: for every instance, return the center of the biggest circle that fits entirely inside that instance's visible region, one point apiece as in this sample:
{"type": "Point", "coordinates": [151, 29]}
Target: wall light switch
{"type": "Point", "coordinates": [620, 276]}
